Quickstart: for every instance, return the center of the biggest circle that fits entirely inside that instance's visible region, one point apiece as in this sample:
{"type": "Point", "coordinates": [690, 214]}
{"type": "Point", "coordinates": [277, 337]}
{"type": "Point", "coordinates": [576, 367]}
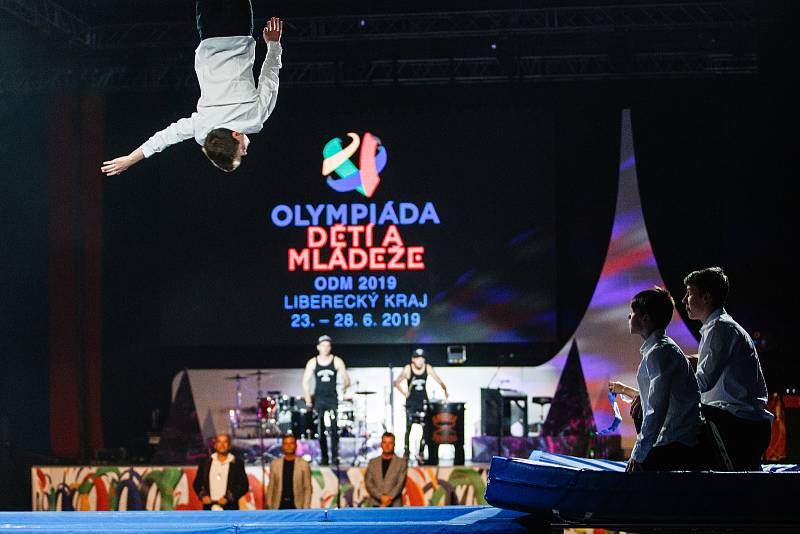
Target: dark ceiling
{"type": "Point", "coordinates": [148, 44]}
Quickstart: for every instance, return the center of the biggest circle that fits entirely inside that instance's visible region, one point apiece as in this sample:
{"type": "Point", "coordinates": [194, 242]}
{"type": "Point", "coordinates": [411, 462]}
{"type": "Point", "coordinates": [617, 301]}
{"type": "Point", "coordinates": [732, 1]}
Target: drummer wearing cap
{"type": "Point", "coordinates": [325, 367]}
{"type": "Point", "coordinates": [415, 377]}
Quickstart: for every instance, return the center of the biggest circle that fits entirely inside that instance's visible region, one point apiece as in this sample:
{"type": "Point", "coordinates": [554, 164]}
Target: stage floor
{"type": "Point", "coordinates": [444, 519]}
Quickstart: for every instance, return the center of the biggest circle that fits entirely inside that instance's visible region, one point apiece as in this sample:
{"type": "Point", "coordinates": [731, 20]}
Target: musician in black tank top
{"type": "Point", "coordinates": [325, 397]}
{"type": "Point", "coordinates": [325, 368]}
{"type": "Point", "coordinates": [415, 378]}
{"type": "Point", "coordinates": [417, 392]}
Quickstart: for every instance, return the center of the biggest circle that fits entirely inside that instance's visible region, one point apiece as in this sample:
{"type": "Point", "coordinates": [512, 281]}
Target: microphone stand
{"type": "Point", "coordinates": [391, 397]}
{"type": "Point", "coordinates": [338, 478]}
{"type": "Point", "coordinates": [336, 457]}
{"type": "Point", "coordinates": [263, 466]}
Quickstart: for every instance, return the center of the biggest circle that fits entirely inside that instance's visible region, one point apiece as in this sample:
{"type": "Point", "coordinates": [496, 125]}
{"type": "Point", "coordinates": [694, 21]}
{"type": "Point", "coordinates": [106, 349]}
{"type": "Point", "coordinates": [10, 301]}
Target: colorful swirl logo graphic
{"type": "Point", "coordinates": [371, 161]}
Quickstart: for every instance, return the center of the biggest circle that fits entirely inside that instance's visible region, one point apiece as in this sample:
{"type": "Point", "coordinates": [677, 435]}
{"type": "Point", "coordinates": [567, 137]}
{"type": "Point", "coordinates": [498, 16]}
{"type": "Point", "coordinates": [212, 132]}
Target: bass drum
{"type": "Point", "coordinates": [444, 425]}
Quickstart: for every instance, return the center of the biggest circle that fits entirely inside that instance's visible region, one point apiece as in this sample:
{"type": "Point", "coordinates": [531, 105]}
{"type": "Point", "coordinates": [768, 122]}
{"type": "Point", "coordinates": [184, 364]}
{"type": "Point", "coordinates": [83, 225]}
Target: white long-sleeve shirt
{"type": "Point", "coordinates": [669, 395]}
{"type": "Point", "coordinates": [218, 476]}
{"type": "Point", "coordinates": [229, 97]}
{"type": "Point", "coordinates": [728, 369]}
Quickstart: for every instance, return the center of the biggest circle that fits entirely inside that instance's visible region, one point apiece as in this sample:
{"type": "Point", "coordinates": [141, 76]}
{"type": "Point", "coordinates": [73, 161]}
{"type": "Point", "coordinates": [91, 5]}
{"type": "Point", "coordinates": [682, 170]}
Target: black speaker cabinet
{"type": "Point", "coordinates": [504, 412]}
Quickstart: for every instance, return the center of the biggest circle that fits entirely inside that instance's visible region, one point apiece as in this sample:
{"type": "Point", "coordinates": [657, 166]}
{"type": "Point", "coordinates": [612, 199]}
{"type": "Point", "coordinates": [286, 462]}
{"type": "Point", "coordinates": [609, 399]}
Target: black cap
{"type": "Point", "coordinates": [417, 353]}
{"type": "Point", "coordinates": [324, 338]}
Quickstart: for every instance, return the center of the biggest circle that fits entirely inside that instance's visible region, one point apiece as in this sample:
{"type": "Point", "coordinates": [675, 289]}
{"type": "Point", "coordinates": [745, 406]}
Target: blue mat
{"type": "Point", "coordinates": [444, 519]}
{"type": "Point", "coordinates": [600, 491]}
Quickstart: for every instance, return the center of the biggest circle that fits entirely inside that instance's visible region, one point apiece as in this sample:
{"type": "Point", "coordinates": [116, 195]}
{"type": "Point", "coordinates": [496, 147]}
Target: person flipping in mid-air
{"type": "Point", "coordinates": [230, 104]}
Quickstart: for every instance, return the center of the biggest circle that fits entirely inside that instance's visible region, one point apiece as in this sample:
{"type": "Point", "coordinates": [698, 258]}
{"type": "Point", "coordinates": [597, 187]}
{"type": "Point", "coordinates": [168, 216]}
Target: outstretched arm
{"type": "Point", "coordinates": [268, 79]}
{"type": "Point", "coordinates": [122, 163]}
{"type": "Point", "coordinates": [174, 133]}
{"type": "Point", "coordinates": [620, 388]}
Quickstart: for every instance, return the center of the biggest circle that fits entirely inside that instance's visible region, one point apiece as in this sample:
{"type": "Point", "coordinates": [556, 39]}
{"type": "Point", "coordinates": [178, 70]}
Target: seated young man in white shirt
{"type": "Point", "coordinates": [230, 104]}
{"type": "Point", "coordinates": [733, 392]}
{"type": "Point", "coordinates": [670, 398]}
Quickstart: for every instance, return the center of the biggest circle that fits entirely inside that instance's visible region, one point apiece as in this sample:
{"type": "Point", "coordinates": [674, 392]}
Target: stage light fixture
{"type": "Point", "coordinates": [456, 354]}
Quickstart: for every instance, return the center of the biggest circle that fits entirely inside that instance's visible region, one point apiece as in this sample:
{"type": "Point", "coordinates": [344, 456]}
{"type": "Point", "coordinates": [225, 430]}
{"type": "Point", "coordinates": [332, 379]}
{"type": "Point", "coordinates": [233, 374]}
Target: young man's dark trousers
{"type": "Point", "coordinates": [745, 440]}
{"type": "Point", "coordinates": [674, 457]}
{"type": "Point", "coordinates": [414, 415]}
{"type": "Point", "coordinates": [224, 18]}
{"type": "Point", "coordinates": [331, 430]}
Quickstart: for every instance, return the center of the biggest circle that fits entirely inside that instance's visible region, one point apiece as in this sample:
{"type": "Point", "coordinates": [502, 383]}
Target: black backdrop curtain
{"type": "Point", "coordinates": [714, 175]}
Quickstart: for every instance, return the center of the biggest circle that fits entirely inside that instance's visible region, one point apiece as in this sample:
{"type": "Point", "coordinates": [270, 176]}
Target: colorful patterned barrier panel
{"type": "Point", "coordinates": [100, 488]}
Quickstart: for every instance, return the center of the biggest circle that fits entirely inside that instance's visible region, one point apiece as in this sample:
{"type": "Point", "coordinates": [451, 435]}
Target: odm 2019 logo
{"type": "Point", "coordinates": [371, 161]}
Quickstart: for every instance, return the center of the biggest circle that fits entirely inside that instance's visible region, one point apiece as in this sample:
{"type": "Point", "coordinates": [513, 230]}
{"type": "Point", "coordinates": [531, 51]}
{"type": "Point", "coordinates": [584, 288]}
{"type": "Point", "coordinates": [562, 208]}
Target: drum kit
{"type": "Point", "coordinates": [273, 415]}
{"type": "Point", "coordinates": [276, 414]}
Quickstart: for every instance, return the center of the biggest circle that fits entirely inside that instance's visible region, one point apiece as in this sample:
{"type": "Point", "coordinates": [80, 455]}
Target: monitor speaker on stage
{"type": "Point", "coordinates": [504, 412]}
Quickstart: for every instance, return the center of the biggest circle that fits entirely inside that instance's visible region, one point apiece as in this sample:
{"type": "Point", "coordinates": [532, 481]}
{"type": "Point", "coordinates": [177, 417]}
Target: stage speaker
{"type": "Point", "coordinates": [504, 412]}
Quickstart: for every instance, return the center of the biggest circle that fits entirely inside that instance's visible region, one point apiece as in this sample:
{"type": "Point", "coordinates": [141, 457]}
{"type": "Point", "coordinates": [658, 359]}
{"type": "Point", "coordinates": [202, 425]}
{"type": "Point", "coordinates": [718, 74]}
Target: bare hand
{"type": "Point", "coordinates": [206, 500]}
{"type": "Point", "coordinates": [273, 30]}
{"type": "Point", "coordinates": [222, 501]}
{"type": "Point", "coordinates": [616, 387]}
{"type": "Point", "coordinates": [121, 164]}
{"type": "Point", "coordinates": [117, 165]}
{"type": "Point", "coordinates": [386, 500]}
{"type": "Point", "coordinates": [633, 466]}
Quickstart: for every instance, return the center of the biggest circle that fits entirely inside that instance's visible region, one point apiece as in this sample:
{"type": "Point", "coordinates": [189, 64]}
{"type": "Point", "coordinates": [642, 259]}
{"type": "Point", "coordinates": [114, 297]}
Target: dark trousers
{"type": "Point", "coordinates": [413, 418]}
{"type": "Point", "coordinates": [224, 18]}
{"type": "Point", "coordinates": [673, 457]}
{"type": "Point", "coordinates": [324, 431]}
{"type": "Point", "coordinates": [745, 441]}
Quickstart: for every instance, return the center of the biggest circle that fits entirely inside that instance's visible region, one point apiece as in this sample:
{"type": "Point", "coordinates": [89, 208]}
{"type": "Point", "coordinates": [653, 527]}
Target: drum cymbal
{"type": "Point", "coordinates": [259, 372]}
{"type": "Point", "coordinates": [541, 400]}
{"type": "Point", "coordinates": [365, 392]}
{"type": "Point", "coordinates": [237, 377]}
